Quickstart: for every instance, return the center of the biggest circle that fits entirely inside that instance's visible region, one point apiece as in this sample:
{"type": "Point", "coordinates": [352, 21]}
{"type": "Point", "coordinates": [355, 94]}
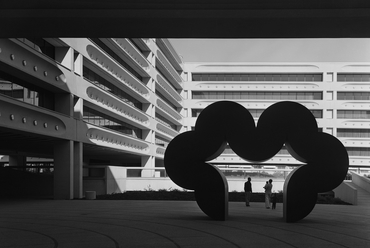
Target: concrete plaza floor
{"type": "Point", "coordinates": [122, 223]}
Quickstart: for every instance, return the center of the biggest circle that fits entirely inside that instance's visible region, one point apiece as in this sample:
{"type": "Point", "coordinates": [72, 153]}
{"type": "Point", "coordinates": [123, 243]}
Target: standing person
{"type": "Point", "coordinates": [268, 189]}
{"type": "Point", "coordinates": [273, 200]}
{"type": "Point", "coordinates": [248, 191]}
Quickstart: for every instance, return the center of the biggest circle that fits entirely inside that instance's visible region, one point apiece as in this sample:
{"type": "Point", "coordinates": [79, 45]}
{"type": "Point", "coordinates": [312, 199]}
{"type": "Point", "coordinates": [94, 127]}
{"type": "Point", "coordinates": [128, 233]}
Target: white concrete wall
{"type": "Point", "coordinates": [116, 179]}
{"type": "Point", "coordinates": [361, 181]}
{"type": "Point", "coordinates": [166, 183]}
{"type": "Point", "coordinates": [346, 193]}
{"type": "Point", "coordinates": [257, 184]}
{"type": "Point", "coordinates": [150, 183]}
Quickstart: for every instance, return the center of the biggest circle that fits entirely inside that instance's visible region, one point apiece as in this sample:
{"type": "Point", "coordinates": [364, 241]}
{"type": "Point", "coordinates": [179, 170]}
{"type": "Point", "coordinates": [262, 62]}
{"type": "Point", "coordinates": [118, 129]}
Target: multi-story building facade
{"type": "Point", "coordinates": [80, 103]}
{"type": "Point", "coordinates": [338, 95]}
{"type": "Point", "coordinates": [75, 107]}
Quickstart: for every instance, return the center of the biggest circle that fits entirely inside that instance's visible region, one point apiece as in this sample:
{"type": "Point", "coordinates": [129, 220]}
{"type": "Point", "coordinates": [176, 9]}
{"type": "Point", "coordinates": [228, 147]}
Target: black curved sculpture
{"type": "Point", "coordinates": [289, 123]}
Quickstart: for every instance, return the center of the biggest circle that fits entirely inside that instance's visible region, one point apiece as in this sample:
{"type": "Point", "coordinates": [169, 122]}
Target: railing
{"type": "Point", "coordinates": [117, 106]}
{"type": "Point", "coordinates": [238, 173]}
{"type": "Point", "coordinates": [113, 67]}
{"type": "Point", "coordinates": [165, 107]}
{"type": "Point", "coordinates": [168, 88]}
{"type": "Point", "coordinates": [164, 123]}
{"type": "Point", "coordinates": [133, 52]}
{"type": "Point", "coordinates": [170, 48]}
{"type": "Point", "coordinates": [110, 92]}
{"type": "Point", "coordinates": [169, 67]}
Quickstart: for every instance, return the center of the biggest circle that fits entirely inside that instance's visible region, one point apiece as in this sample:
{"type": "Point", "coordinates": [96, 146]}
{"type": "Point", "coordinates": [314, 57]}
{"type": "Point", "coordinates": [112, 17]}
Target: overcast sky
{"type": "Point", "coordinates": [273, 50]}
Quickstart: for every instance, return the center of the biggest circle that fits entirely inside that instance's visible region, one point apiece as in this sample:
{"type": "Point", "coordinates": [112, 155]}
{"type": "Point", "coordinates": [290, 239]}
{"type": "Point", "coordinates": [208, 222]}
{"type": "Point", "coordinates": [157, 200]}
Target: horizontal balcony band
{"type": "Point", "coordinates": [170, 133]}
{"type": "Point", "coordinates": [174, 96]}
{"type": "Point", "coordinates": [169, 111]}
{"type": "Point", "coordinates": [160, 151]}
{"type": "Point", "coordinates": [117, 71]}
{"type": "Point", "coordinates": [360, 104]}
{"type": "Point", "coordinates": [110, 138]}
{"type": "Point", "coordinates": [164, 44]}
{"type": "Point", "coordinates": [169, 68]}
{"type": "Point", "coordinates": [131, 51]}
{"type": "Point", "coordinates": [117, 106]}
{"type": "Point", "coordinates": [143, 43]}
{"type": "Point", "coordinates": [21, 116]}
{"type": "Point", "coordinates": [39, 66]}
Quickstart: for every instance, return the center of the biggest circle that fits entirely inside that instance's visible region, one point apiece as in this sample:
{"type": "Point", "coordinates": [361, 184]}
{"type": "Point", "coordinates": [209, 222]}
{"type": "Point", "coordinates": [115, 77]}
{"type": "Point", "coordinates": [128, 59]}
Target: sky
{"type": "Point", "coordinates": [273, 50]}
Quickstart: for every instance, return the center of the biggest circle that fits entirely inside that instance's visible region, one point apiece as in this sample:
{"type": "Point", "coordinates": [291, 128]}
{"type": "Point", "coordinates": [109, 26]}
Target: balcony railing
{"type": "Point", "coordinates": [111, 138]}
{"type": "Point", "coordinates": [232, 172]}
{"type": "Point", "coordinates": [134, 54]}
{"type": "Point", "coordinates": [169, 110]}
{"type": "Point", "coordinates": [117, 106]}
{"type": "Point", "coordinates": [120, 73]}
{"type": "Point", "coordinates": [167, 65]}
{"type": "Point", "coordinates": [177, 99]}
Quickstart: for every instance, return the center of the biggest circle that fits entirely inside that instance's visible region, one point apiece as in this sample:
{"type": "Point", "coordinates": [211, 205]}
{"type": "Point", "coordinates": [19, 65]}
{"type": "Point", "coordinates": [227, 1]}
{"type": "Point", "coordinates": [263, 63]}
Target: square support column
{"type": "Point", "coordinates": [78, 170]}
{"type": "Point", "coordinates": [147, 162]}
{"type": "Point", "coordinates": [63, 170]}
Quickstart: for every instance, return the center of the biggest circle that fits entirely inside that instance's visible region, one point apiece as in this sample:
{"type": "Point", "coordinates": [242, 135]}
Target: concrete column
{"type": "Point", "coordinates": [77, 65]}
{"type": "Point", "coordinates": [78, 108]}
{"type": "Point", "coordinates": [148, 109]}
{"type": "Point", "coordinates": [64, 55]}
{"type": "Point", "coordinates": [148, 135]}
{"type": "Point", "coordinates": [147, 162]}
{"type": "Point", "coordinates": [63, 170]}
{"type": "Point", "coordinates": [64, 103]}
{"type": "Point", "coordinates": [78, 170]}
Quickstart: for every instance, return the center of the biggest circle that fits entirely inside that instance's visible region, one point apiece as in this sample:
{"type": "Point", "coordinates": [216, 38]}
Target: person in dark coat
{"type": "Point", "coordinates": [248, 191]}
{"type": "Point", "coordinates": [273, 200]}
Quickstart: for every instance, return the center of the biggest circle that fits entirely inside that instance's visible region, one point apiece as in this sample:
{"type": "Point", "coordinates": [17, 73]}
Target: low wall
{"type": "Point", "coordinates": [257, 184]}
{"type": "Point", "coordinates": [361, 181]}
{"type": "Point", "coordinates": [166, 183]}
{"type": "Point", "coordinates": [346, 193]}
{"type": "Point", "coordinates": [151, 183]}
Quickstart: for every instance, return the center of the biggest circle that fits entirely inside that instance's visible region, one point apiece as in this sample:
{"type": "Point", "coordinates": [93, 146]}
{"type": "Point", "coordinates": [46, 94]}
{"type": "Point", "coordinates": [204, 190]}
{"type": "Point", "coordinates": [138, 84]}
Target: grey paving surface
{"type": "Point", "coordinates": [94, 223]}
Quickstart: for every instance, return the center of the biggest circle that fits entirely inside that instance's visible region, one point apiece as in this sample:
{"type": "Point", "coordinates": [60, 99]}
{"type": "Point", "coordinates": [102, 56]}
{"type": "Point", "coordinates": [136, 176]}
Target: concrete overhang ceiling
{"type": "Point", "coordinates": [186, 18]}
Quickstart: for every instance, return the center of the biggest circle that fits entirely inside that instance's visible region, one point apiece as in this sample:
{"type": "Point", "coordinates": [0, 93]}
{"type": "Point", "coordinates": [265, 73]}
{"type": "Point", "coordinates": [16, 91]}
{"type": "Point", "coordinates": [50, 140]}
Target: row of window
{"type": "Point", "coordinates": [277, 95]}
{"type": "Point", "coordinates": [318, 113]}
{"type": "Point", "coordinates": [257, 95]}
{"type": "Point", "coordinates": [108, 86]}
{"type": "Point", "coordinates": [353, 114]}
{"type": "Point", "coordinates": [295, 77]}
{"type": "Point", "coordinates": [312, 77]}
{"type": "Point", "coordinates": [353, 96]}
{"type": "Point", "coordinates": [353, 133]}
{"type": "Point", "coordinates": [256, 113]}
{"type": "Point", "coordinates": [99, 119]}
{"type": "Point", "coordinates": [345, 77]}
{"type": "Point", "coordinates": [16, 88]}
{"type": "Point", "coordinates": [358, 151]}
